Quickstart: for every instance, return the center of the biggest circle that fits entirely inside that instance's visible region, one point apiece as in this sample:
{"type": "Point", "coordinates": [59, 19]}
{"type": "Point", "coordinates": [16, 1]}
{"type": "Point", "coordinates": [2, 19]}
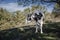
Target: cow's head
{"type": "Point", "coordinates": [28, 18]}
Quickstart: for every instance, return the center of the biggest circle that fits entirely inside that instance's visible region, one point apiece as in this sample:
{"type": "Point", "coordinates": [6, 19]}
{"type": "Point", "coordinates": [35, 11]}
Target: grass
{"type": "Point", "coordinates": [51, 32]}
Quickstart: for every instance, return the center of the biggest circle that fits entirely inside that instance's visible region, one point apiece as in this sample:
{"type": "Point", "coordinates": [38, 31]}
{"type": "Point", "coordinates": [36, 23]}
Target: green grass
{"type": "Point", "coordinates": [51, 32]}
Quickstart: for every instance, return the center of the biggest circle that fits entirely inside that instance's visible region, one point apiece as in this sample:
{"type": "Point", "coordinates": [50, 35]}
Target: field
{"type": "Point", "coordinates": [51, 32]}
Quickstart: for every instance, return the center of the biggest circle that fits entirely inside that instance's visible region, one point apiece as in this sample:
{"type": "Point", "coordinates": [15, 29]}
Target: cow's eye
{"type": "Point", "coordinates": [29, 18]}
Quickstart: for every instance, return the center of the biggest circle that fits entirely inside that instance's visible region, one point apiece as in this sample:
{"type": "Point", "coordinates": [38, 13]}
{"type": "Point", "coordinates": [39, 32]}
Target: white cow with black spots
{"type": "Point", "coordinates": [38, 17]}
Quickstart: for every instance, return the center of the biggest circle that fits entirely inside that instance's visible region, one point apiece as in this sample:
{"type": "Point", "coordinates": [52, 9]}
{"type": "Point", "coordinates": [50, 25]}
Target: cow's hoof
{"type": "Point", "coordinates": [36, 32]}
{"type": "Point", "coordinates": [41, 32]}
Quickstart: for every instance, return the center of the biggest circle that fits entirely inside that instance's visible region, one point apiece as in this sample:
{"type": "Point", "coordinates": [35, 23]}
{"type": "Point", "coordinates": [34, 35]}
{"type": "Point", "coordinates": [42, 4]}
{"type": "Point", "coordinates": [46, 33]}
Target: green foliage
{"type": "Point", "coordinates": [36, 7]}
{"type": "Point", "coordinates": [27, 10]}
{"type": "Point", "coordinates": [10, 20]}
{"type": "Point", "coordinates": [57, 5]}
{"type": "Point", "coordinates": [56, 10]}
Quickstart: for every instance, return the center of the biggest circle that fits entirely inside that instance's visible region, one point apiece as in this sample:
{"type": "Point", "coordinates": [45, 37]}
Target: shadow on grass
{"type": "Point", "coordinates": [51, 32]}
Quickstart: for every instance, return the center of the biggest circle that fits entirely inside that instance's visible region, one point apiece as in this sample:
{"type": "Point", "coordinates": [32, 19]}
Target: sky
{"type": "Point", "coordinates": [12, 5]}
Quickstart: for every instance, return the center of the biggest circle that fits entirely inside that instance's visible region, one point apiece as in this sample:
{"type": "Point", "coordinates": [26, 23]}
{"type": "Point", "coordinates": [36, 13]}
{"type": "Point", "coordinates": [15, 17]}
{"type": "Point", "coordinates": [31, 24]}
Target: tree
{"type": "Point", "coordinates": [28, 2]}
{"type": "Point", "coordinates": [56, 10]}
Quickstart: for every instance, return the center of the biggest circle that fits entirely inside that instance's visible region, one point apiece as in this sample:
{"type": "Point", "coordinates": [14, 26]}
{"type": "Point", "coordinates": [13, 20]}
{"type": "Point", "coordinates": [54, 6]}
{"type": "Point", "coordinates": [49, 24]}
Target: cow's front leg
{"type": "Point", "coordinates": [36, 28]}
{"type": "Point", "coordinates": [41, 27]}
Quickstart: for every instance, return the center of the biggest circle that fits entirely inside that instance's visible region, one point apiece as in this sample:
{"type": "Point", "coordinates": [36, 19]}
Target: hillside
{"type": "Point", "coordinates": [13, 27]}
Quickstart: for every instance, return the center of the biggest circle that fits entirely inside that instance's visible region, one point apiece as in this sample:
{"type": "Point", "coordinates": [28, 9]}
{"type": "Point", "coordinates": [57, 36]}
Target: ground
{"type": "Point", "coordinates": [51, 31]}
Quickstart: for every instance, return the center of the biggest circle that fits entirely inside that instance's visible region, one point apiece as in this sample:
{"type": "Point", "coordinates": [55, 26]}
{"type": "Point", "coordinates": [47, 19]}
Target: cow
{"type": "Point", "coordinates": [38, 17]}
